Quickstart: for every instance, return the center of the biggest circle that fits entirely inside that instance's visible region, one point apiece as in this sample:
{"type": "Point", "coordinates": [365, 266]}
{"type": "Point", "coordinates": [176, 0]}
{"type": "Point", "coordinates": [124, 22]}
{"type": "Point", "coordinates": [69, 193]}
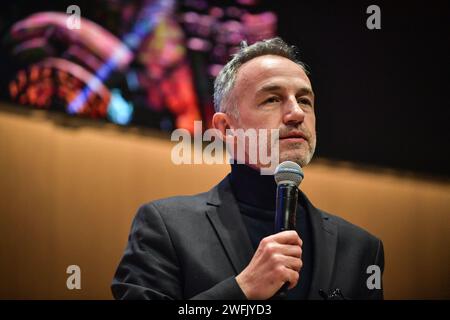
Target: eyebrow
{"type": "Point", "coordinates": [274, 87]}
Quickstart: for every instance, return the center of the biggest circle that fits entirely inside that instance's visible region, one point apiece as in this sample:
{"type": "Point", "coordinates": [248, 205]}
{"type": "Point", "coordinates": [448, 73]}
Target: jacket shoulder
{"type": "Point", "coordinates": [348, 229]}
{"type": "Point", "coordinates": [177, 204]}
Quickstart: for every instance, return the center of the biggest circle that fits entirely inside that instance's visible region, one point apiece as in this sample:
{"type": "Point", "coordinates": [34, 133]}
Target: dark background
{"type": "Point", "coordinates": [381, 95]}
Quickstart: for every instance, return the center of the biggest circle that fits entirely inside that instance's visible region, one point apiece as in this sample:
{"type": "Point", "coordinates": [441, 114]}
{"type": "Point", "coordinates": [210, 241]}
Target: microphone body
{"type": "Point", "coordinates": [286, 207]}
{"type": "Point", "coordinates": [285, 218]}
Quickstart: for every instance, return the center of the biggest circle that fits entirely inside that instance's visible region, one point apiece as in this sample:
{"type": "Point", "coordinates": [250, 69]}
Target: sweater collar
{"type": "Point", "coordinates": [252, 188]}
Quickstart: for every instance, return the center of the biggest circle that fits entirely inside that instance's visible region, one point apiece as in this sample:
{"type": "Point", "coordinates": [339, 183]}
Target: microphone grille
{"type": "Point", "coordinates": [288, 172]}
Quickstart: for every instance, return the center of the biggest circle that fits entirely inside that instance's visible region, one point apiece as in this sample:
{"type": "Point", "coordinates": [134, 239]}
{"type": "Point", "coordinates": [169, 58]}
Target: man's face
{"type": "Point", "coordinates": [273, 92]}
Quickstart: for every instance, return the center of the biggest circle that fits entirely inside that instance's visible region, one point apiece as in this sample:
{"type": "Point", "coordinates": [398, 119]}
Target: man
{"type": "Point", "coordinates": [221, 244]}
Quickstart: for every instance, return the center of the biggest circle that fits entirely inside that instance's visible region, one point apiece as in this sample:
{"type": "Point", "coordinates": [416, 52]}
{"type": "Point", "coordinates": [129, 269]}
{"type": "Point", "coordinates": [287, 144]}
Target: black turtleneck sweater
{"type": "Point", "coordinates": [256, 197]}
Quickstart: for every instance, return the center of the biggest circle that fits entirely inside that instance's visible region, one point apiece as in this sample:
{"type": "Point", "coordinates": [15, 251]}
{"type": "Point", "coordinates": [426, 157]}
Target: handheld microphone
{"type": "Point", "coordinates": [288, 176]}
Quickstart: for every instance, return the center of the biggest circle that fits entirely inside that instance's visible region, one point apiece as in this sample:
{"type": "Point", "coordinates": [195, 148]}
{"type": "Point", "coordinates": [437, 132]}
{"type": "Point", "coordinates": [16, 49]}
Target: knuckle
{"type": "Point", "coordinates": [263, 242]}
{"type": "Point", "coordinates": [279, 271]}
{"type": "Point", "coordinates": [275, 259]}
{"type": "Point", "coordinates": [293, 233]}
{"type": "Point", "coordinates": [270, 248]}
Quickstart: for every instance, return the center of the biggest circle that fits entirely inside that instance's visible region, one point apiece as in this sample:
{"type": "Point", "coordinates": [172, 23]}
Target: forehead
{"type": "Point", "coordinates": [271, 69]}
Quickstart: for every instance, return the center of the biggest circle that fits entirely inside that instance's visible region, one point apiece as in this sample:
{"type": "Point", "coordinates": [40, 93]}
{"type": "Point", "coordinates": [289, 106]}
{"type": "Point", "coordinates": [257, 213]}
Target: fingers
{"type": "Point", "coordinates": [277, 261]}
{"type": "Point", "coordinates": [269, 248]}
{"type": "Point", "coordinates": [288, 262]}
{"type": "Point", "coordinates": [274, 248]}
{"type": "Point", "coordinates": [290, 270]}
{"type": "Point", "coordinates": [292, 278]}
{"type": "Point", "coordinates": [293, 263]}
{"type": "Point", "coordinates": [287, 237]}
{"type": "Point", "coordinates": [290, 250]}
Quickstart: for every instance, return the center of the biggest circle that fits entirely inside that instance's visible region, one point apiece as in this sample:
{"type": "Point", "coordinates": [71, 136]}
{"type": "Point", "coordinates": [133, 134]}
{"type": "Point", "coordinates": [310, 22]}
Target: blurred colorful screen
{"type": "Point", "coordinates": [148, 63]}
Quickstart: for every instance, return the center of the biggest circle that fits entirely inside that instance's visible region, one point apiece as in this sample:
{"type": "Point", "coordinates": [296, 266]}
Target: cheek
{"type": "Point", "coordinates": [311, 123]}
{"type": "Point", "coordinates": [260, 120]}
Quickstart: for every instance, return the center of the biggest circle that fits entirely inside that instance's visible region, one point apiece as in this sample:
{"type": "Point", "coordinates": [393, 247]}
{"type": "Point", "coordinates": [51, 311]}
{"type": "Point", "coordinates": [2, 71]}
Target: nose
{"type": "Point", "coordinates": [293, 113]}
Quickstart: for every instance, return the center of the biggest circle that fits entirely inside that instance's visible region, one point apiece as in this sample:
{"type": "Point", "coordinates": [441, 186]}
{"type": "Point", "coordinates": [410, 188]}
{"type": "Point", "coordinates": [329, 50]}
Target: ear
{"type": "Point", "coordinates": [221, 121]}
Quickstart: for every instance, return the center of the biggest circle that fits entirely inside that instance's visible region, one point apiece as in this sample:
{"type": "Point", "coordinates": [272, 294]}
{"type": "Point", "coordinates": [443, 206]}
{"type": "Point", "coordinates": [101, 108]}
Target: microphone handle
{"type": "Point", "coordinates": [286, 207]}
{"type": "Point", "coordinates": [285, 219]}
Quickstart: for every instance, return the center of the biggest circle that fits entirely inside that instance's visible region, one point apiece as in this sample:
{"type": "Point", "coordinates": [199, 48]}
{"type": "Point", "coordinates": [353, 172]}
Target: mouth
{"type": "Point", "coordinates": [294, 137]}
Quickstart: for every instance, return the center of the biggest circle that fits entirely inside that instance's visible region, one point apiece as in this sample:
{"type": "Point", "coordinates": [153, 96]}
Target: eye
{"type": "Point", "coordinates": [304, 101]}
{"type": "Point", "coordinates": [272, 99]}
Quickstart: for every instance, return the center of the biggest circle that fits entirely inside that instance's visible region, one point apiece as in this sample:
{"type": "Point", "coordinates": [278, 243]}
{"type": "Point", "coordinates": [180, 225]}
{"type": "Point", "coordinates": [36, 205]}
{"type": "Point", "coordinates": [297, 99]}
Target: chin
{"type": "Point", "coordinates": [301, 157]}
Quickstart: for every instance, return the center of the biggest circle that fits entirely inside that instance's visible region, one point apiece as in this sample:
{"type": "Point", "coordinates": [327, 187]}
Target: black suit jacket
{"type": "Point", "coordinates": [192, 247]}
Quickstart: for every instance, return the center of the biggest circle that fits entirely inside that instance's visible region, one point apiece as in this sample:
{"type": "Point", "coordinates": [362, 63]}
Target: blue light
{"type": "Point", "coordinates": [120, 111]}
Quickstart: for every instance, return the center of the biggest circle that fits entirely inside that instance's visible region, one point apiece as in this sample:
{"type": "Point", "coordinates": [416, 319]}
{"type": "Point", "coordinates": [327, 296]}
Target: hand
{"type": "Point", "coordinates": [276, 261]}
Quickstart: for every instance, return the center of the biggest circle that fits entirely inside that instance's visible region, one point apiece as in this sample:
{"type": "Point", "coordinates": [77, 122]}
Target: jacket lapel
{"type": "Point", "coordinates": [223, 213]}
{"type": "Point", "coordinates": [325, 234]}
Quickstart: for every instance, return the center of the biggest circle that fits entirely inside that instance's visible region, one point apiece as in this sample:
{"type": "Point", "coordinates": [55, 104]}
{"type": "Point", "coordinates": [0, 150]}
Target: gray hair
{"type": "Point", "coordinates": [226, 78]}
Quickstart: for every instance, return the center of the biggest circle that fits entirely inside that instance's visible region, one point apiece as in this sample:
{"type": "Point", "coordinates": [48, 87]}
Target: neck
{"type": "Point", "coordinates": [252, 188]}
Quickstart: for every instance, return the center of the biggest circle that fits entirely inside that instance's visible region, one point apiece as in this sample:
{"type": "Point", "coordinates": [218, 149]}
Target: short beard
{"type": "Point", "coordinates": [303, 160]}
